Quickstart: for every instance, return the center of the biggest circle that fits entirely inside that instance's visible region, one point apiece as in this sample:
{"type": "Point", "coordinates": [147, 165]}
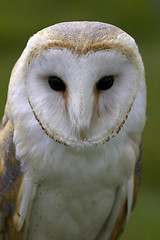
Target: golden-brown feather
{"type": "Point", "coordinates": [11, 177]}
{"type": "Point", "coordinates": [120, 223]}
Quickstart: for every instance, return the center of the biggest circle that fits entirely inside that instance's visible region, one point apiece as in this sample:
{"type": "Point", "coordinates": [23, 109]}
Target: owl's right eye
{"type": "Point", "coordinates": [56, 83]}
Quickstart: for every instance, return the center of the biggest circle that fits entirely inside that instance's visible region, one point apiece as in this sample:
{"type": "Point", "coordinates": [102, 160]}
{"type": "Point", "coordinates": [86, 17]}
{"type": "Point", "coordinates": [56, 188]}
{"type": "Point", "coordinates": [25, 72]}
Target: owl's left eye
{"type": "Point", "coordinates": [56, 83]}
{"type": "Point", "coordinates": [105, 83]}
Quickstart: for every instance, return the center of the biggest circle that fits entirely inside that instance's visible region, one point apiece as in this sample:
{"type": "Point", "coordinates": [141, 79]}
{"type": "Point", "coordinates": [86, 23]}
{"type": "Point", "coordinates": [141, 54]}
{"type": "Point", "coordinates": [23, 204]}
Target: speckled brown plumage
{"type": "Point", "coordinates": [11, 176]}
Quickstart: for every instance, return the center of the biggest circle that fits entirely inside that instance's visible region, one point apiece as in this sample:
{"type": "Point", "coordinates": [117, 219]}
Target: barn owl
{"type": "Point", "coordinates": [70, 137]}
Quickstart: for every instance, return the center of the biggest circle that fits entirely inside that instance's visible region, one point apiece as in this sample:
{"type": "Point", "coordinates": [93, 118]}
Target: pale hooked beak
{"type": "Point", "coordinates": [80, 113]}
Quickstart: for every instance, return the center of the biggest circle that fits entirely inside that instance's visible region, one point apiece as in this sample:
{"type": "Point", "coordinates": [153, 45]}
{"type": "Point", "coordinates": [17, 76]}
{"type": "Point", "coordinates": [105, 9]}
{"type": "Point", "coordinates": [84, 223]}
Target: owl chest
{"type": "Point", "coordinates": [72, 204]}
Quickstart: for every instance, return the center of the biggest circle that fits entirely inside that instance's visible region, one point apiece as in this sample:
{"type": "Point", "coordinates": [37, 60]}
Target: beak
{"type": "Point", "coordinates": [80, 112]}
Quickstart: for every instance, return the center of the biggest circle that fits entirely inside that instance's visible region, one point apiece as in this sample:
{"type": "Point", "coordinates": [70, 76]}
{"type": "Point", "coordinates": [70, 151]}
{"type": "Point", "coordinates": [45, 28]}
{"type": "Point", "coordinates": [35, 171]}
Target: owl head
{"type": "Point", "coordinates": [79, 80]}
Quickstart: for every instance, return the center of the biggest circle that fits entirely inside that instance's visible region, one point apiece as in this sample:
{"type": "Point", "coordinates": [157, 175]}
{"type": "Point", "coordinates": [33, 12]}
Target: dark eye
{"type": "Point", "coordinates": [105, 82]}
{"type": "Point", "coordinates": [56, 83]}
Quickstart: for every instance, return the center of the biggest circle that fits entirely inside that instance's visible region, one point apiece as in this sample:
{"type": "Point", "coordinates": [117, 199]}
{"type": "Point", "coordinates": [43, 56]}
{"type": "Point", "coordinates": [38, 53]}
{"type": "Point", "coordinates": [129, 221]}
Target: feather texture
{"type": "Point", "coordinates": [70, 161]}
{"type": "Point", "coordinates": [14, 189]}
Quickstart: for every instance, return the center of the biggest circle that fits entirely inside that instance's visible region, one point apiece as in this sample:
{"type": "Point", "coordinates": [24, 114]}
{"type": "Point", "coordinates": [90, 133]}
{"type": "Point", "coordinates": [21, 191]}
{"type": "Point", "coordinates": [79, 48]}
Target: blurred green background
{"type": "Point", "coordinates": [20, 19]}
